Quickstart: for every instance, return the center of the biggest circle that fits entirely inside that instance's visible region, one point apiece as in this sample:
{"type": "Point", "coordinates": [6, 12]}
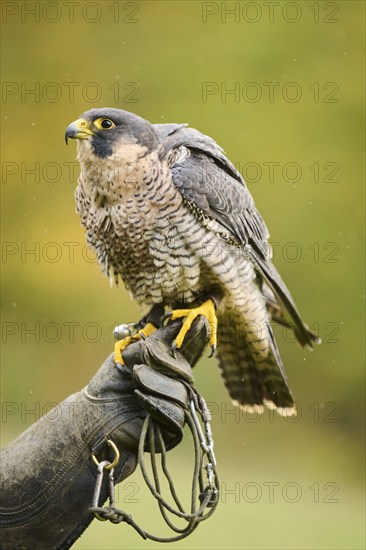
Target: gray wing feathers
{"type": "Point", "coordinates": [304, 334]}
{"type": "Point", "coordinates": [209, 180]}
{"type": "Point", "coordinates": [219, 195]}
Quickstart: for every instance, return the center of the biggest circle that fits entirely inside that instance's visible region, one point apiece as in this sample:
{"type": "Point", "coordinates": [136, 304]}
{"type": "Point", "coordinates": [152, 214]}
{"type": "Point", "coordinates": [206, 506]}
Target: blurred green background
{"type": "Point", "coordinates": [294, 128]}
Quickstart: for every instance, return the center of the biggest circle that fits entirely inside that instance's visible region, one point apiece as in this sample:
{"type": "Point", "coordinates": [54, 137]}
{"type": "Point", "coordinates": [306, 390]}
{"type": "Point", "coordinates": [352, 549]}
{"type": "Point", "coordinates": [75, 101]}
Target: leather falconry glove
{"type": "Point", "coordinates": [47, 473]}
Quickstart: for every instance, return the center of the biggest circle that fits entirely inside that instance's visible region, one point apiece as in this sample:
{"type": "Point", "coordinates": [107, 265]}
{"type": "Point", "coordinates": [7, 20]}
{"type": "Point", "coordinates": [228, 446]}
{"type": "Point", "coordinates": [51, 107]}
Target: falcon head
{"type": "Point", "coordinates": [112, 131]}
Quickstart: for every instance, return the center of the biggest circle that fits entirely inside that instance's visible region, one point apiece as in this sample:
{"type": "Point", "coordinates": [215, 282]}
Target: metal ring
{"type": "Point", "coordinates": [116, 456]}
{"type": "Point", "coordinates": [97, 516]}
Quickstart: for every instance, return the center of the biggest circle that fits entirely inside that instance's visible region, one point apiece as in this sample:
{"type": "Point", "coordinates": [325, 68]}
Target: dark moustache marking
{"type": "Point", "coordinates": [101, 147]}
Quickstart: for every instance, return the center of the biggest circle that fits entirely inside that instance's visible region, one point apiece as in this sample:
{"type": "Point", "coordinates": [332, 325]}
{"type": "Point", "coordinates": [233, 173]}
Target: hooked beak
{"type": "Point", "coordinates": [79, 129]}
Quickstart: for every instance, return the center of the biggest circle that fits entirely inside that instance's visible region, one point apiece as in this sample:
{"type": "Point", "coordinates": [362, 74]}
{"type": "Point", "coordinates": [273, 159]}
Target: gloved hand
{"type": "Point", "coordinates": [47, 474]}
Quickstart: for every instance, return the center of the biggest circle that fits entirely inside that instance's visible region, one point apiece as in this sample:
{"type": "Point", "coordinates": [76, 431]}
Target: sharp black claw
{"type": "Point", "coordinates": [165, 317]}
{"type": "Point", "coordinates": [213, 351]}
{"type": "Point", "coordinates": [123, 369]}
{"type": "Point", "coordinates": [173, 348]}
{"type": "Point", "coordinates": [119, 367]}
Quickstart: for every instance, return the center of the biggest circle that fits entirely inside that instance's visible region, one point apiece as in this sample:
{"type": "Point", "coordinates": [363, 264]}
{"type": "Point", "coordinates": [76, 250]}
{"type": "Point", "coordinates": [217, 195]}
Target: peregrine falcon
{"type": "Point", "coordinates": [166, 211]}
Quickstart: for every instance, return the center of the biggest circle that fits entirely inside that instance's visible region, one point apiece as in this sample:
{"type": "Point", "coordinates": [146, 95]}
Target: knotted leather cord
{"type": "Point", "coordinates": [208, 495]}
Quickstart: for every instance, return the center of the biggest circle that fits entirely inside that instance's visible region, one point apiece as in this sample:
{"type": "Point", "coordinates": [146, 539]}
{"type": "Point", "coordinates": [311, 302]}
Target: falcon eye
{"type": "Point", "coordinates": [104, 123]}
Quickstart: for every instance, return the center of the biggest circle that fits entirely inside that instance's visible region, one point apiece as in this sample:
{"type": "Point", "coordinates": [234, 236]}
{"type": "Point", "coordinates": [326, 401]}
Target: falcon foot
{"type": "Point", "coordinates": [128, 334]}
{"type": "Point", "coordinates": [208, 310]}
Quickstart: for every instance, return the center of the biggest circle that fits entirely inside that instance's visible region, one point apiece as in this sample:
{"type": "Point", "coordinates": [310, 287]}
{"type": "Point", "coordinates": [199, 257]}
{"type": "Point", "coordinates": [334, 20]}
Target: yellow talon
{"type": "Point", "coordinates": [121, 345]}
{"type": "Point", "coordinates": [208, 310]}
{"type": "Point", "coordinates": [148, 329]}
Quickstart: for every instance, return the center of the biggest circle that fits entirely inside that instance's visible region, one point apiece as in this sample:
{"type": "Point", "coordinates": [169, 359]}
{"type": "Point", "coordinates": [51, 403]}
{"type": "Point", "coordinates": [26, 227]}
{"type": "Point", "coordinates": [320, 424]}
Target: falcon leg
{"type": "Point", "coordinates": [208, 309]}
{"type": "Point", "coordinates": [133, 332]}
